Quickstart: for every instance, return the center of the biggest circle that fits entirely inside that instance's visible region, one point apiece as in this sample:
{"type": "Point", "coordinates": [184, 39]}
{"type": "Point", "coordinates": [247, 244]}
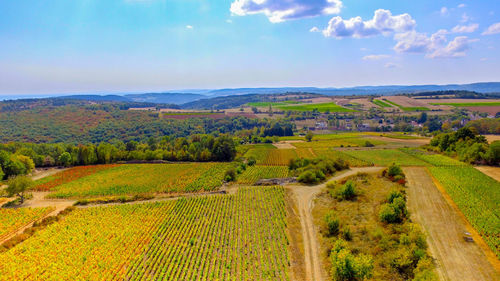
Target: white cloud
{"type": "Point", "coordinates": [383, 22]}
{"type": "Point", "coordinates": [462, 6]}
{"type": "Point", "coordinates": [376, 57]}
{"type": "Point", "coordinates": [283, 10]}
{"type": "Point", "coordinates": [189, 26]}
{"type": "Point", "coordinates": [229, 21]}
{"type": "Point", "coordinates": [314, 29]}
{"type": "Point", "coordinates": [492, 29]}
{"type": "Point", "coordinates": [465, 28]}
{"type": "Point", "coordinates": [444, 11]}
{"type": "Point", "coordinates": [390, 65]}
{"type": "Point", "coordinates": [435, 46]}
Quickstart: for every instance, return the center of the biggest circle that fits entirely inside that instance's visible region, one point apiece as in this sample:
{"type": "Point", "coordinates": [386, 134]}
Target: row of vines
{"type": "Point", "coordinates": [220, 237]}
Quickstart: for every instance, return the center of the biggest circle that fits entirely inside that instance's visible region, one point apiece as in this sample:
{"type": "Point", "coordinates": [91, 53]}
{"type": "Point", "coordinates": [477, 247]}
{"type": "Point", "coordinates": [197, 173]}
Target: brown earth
{"type": "Point", "coordinates": [492, 138]}
{"type": "Point", "coordinates": [455, 259]}
{"type": "Point", "coordinates": [492, 172]}
{"type": "Point", "coordinates": [491, 110]}
{"type": "Point", "coordinates": [304, 198]}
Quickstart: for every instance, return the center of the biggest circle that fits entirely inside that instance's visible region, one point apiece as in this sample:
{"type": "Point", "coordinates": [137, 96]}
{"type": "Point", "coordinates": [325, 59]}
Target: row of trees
{"type": "Point", "coordinates": [21, 158]}
{"type": "Point", "coordinates": [468, 145]}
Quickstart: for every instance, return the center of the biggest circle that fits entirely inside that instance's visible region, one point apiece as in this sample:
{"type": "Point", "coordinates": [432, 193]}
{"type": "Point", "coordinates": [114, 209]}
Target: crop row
{"type": "Point", "coordinates": [69, 175]}
{"type": "Point", "coordinates": [13, 219]}
{"type": "Point", "coordinates": [220, 237]}
{"type": "Point", "coordinates": [255, 173]}
{"type": "Point", "coordinates": [477, 196]}
{"type": "Point", "coordinates": [134, 179]}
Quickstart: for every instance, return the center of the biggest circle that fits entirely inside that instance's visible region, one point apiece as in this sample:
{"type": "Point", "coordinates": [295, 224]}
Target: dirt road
{"type": "Point", "coordinates": [493, 172]}
{"type": "Point", "coordinates": [304, 196]}
{"type": "Point", "coordinates": [456, 259]}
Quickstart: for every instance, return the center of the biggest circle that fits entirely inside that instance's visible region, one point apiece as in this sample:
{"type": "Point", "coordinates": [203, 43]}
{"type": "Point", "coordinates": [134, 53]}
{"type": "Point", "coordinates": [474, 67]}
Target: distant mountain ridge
{"type": "Point", "coordinates": [191, 95]}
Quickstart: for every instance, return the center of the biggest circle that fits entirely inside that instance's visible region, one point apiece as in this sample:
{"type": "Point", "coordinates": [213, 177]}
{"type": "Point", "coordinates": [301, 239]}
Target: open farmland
{"type": "Point", "coordinates": [13, 219]}
{"type": "Point", "coordinates": [223, 237]}
{"type": "Point", "coordinates": [385, 157]}
{"type": "Point", "coordinates": [280, 157]}
{"type": "Point", "coordinates": [477, 196]}
{"type": "Point", "coordinates": [321, 107]}
{"type": "Point", "coordinates": [334, 154]}
{"type": "Point", "coordinates": [132, 179]}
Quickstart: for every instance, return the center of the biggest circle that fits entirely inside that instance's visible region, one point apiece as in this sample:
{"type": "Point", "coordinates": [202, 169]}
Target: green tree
{"type": "Point", "coordinates": [18, 186]}
{"type": "Point", "coordinates": [65, 159]}
{"type": "Point", "coordinates": [309, 136]}
{"type": "Point", "coordinates": [2, 174]}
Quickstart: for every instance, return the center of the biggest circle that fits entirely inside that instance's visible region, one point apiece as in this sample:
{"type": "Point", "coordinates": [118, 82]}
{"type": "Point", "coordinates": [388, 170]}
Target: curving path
{"type": "Point", "coordinates": [304, 196]}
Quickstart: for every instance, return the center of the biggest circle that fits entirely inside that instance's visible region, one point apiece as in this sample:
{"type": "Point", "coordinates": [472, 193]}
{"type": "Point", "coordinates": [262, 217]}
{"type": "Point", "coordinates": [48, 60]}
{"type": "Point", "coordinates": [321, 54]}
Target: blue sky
{"type": "Point", "coordinates": [96, 46]}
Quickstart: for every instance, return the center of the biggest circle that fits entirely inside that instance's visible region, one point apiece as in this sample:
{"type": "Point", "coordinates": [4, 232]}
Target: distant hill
{"type": "Point", "coordinates": [172, 98]}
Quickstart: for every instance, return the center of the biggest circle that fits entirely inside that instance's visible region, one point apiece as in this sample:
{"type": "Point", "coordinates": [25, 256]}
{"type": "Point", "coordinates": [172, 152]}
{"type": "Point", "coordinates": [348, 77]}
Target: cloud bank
{"type": "Point", "coordinates": [383, 22]}
{"type": "Point", "coordinates": [435, 46]}
{"type": "Point", "coordinates": [279, 11]}
{"type": "Point", "coordinates": [492, 29]}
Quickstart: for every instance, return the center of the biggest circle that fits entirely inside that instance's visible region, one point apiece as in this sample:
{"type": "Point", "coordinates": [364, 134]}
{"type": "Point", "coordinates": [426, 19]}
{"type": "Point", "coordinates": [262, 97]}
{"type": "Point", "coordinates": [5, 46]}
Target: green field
{"type": "Point", "coordinates": [381, 103]}
{"type": "Point", "coordinates": [477, 196]}
{"type": "Point", "coordinates": [458, 104]}
{"type": "Point", "coordinates": [321, 107]}
{"type": "Point", "coordinates": [437, 160]}
{"type": "Point", "coordinates": [334, 154]}
{"type": "Point", "coordinates": [221, 237]}
{"type": "Point", "coordinates": [259, 152]}
{"type": "Point", "coordinates": [385, 157]}
{"type": "Point", "coordinates": [131, 179]}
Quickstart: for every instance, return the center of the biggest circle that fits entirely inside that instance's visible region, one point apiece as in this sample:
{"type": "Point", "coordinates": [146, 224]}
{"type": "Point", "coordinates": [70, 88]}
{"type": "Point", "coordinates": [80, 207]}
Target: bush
{"type": "Point", "coordinates": [395, 211]}
{"type": "Point", "coordinates": [368, 144]}
{"type": "Point", "coordinates": [307, 177]}
{"type": "Point", "coordinates": [230, 175]}
{"type": "Point", "coordinates": [388, 214]}
{"type": "Point", "coordinates": [346, 233]}
{"type": "Point", "coordinates": [347, 191]}
{"type": "Point", "coordinates": [332, 224]}
{"type": "Point", "coordinates": [394, 170]}
{"type": "Point", "coordinates": [346, 266]}
{"type": "Point", "coordinates": [251, 161]}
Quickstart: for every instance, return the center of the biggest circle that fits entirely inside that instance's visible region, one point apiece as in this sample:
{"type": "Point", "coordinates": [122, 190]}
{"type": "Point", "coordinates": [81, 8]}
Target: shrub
{"type": "Point", "coordinates": [368, 144]}
{"type": "Point", "coordinates": [230, 175]}
{"type": "Point", "coordinates": [332, 224]}
{"type": "Point", "coordinates": [388, 214]}
{"type": "Point", "coordinates": [346, 233]}
{"type": "Point", "coordinates": [307, 177]}
{"type": "Point", "coordinates": [346, 266]}
{"type": "Point", "coordinates": [251, 161]}
{"type": "Point", "coordinates": [394, 170]}
{"type": "Point", "coordinates": [347, 191]}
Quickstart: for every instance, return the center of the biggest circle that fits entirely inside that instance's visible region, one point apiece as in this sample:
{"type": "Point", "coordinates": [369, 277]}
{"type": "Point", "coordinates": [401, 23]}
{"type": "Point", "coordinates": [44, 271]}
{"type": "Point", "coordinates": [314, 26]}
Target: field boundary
{"type": "Point", "coordinates": [492, 258]}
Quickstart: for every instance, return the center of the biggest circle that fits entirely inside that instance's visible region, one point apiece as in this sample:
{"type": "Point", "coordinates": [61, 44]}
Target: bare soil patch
{"type": "Point", "coordinates": [42, 173]}
{"type": "Point", "coordinates": [284, 145]}
{"type": "Point", "coordinates": [456, 259]}
{"type": "Point", "coordinates": [492, 138]}
{"type": "Point", "coordinates": [491, 110]}
{"type": "Point", "coordinates": [492, 172]}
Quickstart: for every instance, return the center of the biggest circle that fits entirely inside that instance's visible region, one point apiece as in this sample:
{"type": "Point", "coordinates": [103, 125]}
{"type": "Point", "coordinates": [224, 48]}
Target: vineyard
{"type": "Point", "coordinates": [255, 173]}
{"type": "Point", "coordinates": [220, 237]}
{"type": "Point", "coordinates": [259, 152]}
{"type": "Point", "coordinates": [47, 183]}
{"type": "Point", "coordinates": [280, 157]}
{"type": "Point", "coordinates": [477, 196]}
{"type": "Point", "coordinates": [13, 219]}
{"type": "Point", "coordinates": [437, 160]}
{"type": "Point", "coordinates": [334, 154]}
{"type": "Point", "coordinates": [145, 179]}
{"type": "Point", "coordinates": [385, 157]}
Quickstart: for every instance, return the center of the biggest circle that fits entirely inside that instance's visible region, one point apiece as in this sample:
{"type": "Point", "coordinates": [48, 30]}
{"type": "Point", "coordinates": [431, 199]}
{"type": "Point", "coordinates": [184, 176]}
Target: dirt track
{"type": "Point", "coordinates": [304, 196]}
{"type": "Point", "coordinates": [456, 259]}
{"type": "Point", "coordinates": [493, 172]}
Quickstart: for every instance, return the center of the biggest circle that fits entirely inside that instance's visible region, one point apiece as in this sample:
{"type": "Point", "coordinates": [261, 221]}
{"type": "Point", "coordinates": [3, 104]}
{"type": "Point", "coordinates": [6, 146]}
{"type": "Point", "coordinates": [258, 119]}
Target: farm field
{"type": "Point", "coordinates": [381, 103]}
{"type": "Point", "coordinates": [259, 152]}
{"type": "Point", "coordinates": [437, 160]}
{"type": "Point", "coordinates": [255, 173]}
{"type": "Point", "coordinates": [66, 176]}
{"type": "Point", "coordinates": [455, 259]}
{"type": "Point", "coordinates": [321, 107]}
{"type": "Point", "coordinates": [221, 237]}
{"type": "Point", "coordinates": [279, 157]}
{"type": "Point", "coordinates": [385, 157]}
{"type": "Point", "coordinates": [130, 179]}
{"type": "Point", "coordinates": [13, 219]}
{"type": "Point", "coordinates": [467, 104]}
{"type": "Point", "coordinates": [477, 196]}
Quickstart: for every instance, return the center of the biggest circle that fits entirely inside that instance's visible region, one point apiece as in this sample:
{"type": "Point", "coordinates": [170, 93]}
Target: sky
{"type": "Point", "coordinates": [118, 46]}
